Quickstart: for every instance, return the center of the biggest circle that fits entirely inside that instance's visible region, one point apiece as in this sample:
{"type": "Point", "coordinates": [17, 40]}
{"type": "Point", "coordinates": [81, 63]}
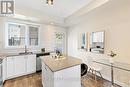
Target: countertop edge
{"type": "Point", "coordinates": [62, 68]}
{"type": "Point", "coordinates": [17, 54]}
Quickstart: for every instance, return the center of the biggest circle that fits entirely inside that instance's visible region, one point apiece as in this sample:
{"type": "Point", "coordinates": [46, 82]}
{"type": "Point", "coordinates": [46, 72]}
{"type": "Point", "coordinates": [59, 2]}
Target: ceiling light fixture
{"type": "Point", "coordinates": [49, 2]}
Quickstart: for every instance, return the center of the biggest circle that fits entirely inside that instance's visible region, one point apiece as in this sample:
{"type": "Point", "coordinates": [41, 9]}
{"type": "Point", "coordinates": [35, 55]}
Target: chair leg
{"type": "Point", "coordinates": [100, 74]}
{"type": "Point", "coordinates": [95, 75]}
{"type": "Point", "coordinates": [89, 70]}
{"type": "Point", "coordinates": [95, 78]}
{"type": "Point", "coordinates": [92, 71]}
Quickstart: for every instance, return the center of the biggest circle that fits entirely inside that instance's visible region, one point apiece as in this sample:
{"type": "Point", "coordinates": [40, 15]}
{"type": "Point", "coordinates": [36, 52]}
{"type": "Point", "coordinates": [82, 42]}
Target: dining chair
{"type": "Point", "coordinates": [94, 68]}
{"type": "Point", "coordinates": [84, 71]}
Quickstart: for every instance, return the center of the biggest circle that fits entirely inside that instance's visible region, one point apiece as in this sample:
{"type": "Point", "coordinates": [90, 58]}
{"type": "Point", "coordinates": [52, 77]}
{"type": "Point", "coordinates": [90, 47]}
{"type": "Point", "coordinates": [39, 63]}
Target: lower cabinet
{"type": "Point", "coordinates": [10, 67]}
{"type": "Point", "coordinates": [20, 65]}
{"type": "Point", "coordinates": [31, 63]}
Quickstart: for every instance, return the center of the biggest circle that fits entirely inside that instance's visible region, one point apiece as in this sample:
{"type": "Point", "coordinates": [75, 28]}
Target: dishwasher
{"type": "Point", "coordinates": [38, 60]}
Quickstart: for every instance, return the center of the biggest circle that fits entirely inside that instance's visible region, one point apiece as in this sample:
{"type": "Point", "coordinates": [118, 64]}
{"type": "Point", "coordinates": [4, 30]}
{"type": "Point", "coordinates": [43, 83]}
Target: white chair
{"type": "Point", "coordinates": [94, 68]}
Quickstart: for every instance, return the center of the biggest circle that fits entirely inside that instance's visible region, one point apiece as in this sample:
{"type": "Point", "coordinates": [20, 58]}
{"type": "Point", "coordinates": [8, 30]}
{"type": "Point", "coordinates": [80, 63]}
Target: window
{"type": "Point", "coordinates": [33, 36]}
{"type": "Point", "coordinates": [19, 35]}
{"type": "Point", "coordinates": [59, 41]}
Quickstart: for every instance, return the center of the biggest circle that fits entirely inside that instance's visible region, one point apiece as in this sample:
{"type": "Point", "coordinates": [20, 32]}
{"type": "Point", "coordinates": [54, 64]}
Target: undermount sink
{"type": "Point", "coordinates": [25, 53]}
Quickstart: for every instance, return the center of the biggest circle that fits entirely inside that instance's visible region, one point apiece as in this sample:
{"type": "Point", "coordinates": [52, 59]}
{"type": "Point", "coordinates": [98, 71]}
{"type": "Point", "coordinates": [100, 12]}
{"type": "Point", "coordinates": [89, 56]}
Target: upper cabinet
{"type": "Point", "coordinates": [18, 35]}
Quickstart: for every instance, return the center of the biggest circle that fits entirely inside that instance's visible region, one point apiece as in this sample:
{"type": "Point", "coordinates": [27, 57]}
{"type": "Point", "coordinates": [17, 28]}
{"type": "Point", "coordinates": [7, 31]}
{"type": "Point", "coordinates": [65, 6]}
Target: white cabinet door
{"type": "Point", "coordinates": [19, 65]}
{"type": "Point", "coordinates": [10, 67]}
{"type": "Point", "coordinates": [4, 69]}
{"type": "Point", "coordinates": [69, 77]}
{"type": "Point", "coordinates": [31, 63]}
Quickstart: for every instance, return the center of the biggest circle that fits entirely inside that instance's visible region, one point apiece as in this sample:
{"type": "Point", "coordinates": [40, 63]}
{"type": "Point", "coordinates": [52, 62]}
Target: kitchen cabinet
{"type": "Point", "coordinates": [10, 67]}
{"type": "Point", "coordinates": [20, 65]}
{"type": "Point", "coordinates": [31, 63]}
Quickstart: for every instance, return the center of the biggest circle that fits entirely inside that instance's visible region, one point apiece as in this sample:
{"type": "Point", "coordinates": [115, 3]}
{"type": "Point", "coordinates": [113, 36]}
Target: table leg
{"type": "Point", "coordinates": [112, 76]}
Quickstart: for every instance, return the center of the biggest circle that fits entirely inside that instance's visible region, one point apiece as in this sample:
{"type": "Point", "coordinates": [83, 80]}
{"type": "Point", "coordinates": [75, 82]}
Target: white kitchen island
{"type": "Point", "coordinates": [61, 73]}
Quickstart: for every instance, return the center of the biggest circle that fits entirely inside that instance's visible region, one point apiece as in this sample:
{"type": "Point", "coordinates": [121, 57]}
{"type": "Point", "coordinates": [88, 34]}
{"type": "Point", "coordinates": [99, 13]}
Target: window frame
{"type": "Point", "coordinates": [63, 43]}
{"type": "Point", "coordinates": [26, 35]}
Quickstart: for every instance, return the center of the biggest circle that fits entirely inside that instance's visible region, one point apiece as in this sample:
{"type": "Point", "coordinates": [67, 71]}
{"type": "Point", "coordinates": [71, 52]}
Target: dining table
{"type": "Point", "coordinates": [112, 65]}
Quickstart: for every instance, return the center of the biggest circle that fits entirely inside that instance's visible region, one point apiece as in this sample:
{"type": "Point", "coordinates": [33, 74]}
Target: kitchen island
{"type": "Point", "coordinates": [64, 72]}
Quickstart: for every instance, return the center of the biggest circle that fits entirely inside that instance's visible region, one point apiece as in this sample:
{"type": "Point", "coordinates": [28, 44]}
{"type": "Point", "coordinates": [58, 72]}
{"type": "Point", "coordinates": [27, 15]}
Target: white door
{"type": "Point", "coordinates": [10, 67]}
{"type": "Point", "coordinates": [31, 63]}
{"type": "Point", "coordinates": [19, 65]}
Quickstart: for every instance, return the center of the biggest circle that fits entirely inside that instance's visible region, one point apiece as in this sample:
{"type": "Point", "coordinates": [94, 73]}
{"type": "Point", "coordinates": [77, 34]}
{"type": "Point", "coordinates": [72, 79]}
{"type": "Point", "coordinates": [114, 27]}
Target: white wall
{"type": "Point", "coordinates": [113, 17]}
{"type": "Point", "coordinates": [47, 36]}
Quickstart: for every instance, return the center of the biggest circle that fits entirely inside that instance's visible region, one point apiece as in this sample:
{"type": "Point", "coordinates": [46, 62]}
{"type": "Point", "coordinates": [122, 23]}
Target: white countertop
{"type": "Point", "coordinates": [60, 64]}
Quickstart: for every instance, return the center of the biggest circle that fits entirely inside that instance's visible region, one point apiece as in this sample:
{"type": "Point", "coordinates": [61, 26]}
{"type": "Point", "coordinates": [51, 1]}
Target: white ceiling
{"type": "Point", "coordinates": [61, 8]}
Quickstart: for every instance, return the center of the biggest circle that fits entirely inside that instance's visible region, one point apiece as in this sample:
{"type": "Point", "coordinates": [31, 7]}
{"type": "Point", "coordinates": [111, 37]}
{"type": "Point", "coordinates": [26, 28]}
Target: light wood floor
{"type": "Point", "coordinates": [34, 80]}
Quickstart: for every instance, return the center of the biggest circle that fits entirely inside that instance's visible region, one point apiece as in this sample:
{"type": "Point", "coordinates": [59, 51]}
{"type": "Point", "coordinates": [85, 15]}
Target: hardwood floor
{"type": "Point", "coordinates": [89, 81]}
{"type": "Point", "coordinates": [34, 80]}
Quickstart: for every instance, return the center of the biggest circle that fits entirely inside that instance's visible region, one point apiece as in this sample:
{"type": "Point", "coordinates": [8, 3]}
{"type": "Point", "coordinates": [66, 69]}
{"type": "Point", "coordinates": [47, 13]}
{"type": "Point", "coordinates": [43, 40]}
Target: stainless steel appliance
{"type": "Point", "coordinates": [38, 60]}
